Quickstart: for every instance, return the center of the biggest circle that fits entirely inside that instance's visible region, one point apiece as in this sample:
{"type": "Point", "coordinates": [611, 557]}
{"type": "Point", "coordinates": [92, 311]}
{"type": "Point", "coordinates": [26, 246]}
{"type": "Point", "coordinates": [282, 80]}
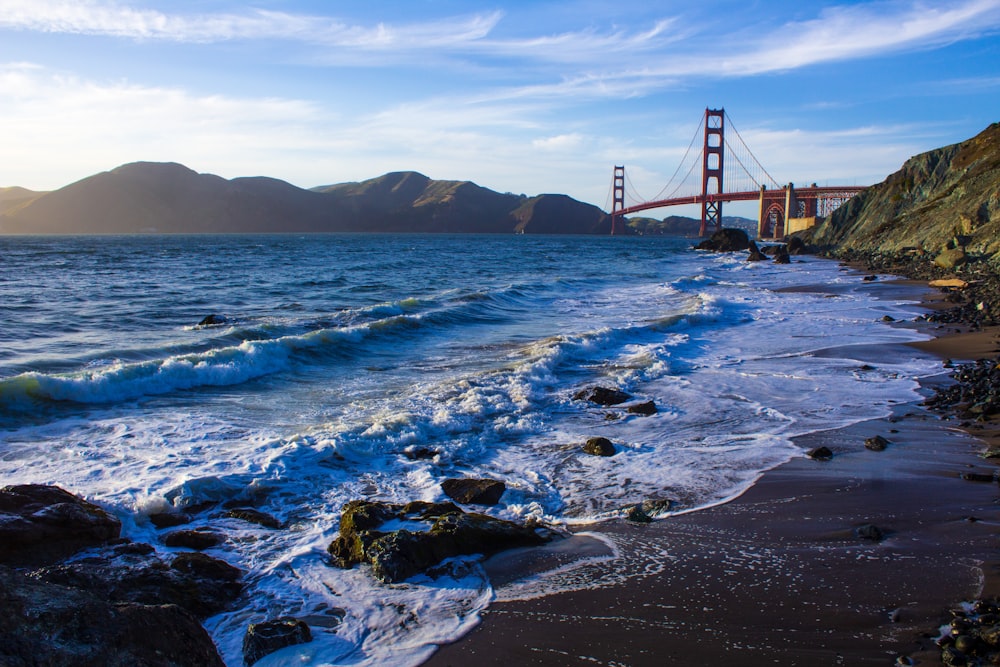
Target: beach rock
{"type": "Point", "coordinates": [265, 638]}
{"type": "Point", "coordinates": [198, 539]}
{"type": "Point", "coordinates": [726, 240]}
{"type": "Point", "coordinates": [949, 258]}
{"type": "Point", "coordinates": [646, 409]}
{"type": "Point", "coordinates": [820, 453]}
{"type": "Point", "coordinates": [755, 254]}
{"type": "Point", "coordinates": [41, 524]}
{"type": "Point", "coordinates": [474, 491]}
{"type": "Point", "coordinates": [876, 443]}
{"type": "Point", "coordinates": [212, 320]}
{"type": "Point", "coordinates": [602, 396]}
{"type": "Point", "coordinates": [647, 510]}
{"type": "Point", "coordinates": [870, 532]}
{"type": "Point", "coordinates": [251, 515]}
{"type": "Point", "coordinates": [599, 447]}
{"type": "Point", "coordinates": [869, 278]}
{"type": "Point", "coordinates": [432, 533]}
{"type": "Point", "coordinates": [43, 623]}
{"type": "Point", "coordinates": [781, 255]}
{"type": "Point", "coordinates": [797, 246]}
{"type": "Point", "coordinates": [978, 477]}
{"type": "Point", "coordinates": [420, 453]}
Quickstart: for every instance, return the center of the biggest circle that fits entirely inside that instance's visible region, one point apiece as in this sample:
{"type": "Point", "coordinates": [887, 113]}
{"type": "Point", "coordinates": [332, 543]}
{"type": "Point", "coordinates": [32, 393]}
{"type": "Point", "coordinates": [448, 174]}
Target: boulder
{"type": "Point", "coordinates": [44, 623]}
{"type": "Point", "coordinates": [647, 510]}
{"type": "Point", "coordinates": [876, 443]}
{"type": "Point", "coordinates": [820, 453]}
{"type": "Point", "coordinates": [470, 491]}
{"type": "Point", "coordinates": [755, 254]}
{"type": "Point", "coordinates": [646, 409]}
{"type": "Point", "coordinates": [42, 524]}
{"type": "Point", "coordinates": [599, 447]}
{"type": "Point", "coordinates": [265, 638]}
{"type": "Point", "coordinates": [870, 532]}
{"type": "Point", "coordinates": [726, 240]}
{"type": "Point", "coordinates": [781, 255]}
{"type": "Point", "coordinates": [949, 258]}
{"type": "Point", "coordinates": [213, 320]}
{"type": "Point", "coordinates": [602, 396]}
{"type": "Point", "coordinates": [399, 541]}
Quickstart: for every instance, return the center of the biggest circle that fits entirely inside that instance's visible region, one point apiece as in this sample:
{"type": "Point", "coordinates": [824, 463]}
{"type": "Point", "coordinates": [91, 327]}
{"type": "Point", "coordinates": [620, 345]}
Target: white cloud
{"type": "Point", "coordinates": [98, 17]}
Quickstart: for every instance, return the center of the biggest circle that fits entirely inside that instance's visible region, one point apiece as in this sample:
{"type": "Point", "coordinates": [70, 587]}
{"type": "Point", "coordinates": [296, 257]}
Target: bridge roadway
{"type": "Point", "coordinates": [813, 192]}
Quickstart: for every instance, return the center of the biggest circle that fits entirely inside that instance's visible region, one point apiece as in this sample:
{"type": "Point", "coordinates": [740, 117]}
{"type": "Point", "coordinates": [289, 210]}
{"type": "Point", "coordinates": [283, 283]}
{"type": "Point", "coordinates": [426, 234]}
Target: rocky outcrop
{"type": "Point", "coordinates": [399, 541]}
{"type": "Point", "coordinates": [947, 196]}
{"type": "Point", "coordinates": [114, 603]}
{"type": "Point", "coordinates": [726, 240]}
{"type": "Point", "coordinates": [42, 524]}
{"type": "Point", "coordinates": [43, 623]}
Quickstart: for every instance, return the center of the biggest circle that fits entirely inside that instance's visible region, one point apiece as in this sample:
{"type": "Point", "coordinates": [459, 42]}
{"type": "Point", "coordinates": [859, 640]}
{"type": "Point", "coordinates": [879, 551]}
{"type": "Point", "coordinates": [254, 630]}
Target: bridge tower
{"type": "Point", "coordinates": [711, 169]}
{"type": "Point", "coordinates": [618, 202]}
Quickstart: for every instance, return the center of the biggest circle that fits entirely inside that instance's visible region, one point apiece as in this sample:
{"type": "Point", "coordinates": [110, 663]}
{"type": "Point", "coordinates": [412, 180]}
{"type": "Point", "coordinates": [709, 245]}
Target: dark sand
{"type": "Point", "coordinates": [777, 576]}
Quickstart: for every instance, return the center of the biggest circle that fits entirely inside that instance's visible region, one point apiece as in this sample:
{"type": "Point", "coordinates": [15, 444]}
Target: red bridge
{"type": "Point", "coordinates": [782, 209]}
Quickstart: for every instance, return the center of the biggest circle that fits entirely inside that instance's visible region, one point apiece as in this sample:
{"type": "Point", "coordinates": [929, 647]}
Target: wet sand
{"type": "Point", "coordinates": [780, 575]}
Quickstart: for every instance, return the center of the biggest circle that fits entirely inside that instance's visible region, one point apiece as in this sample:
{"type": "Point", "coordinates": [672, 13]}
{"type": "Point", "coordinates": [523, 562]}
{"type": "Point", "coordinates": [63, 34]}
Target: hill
{"type": "Point", "coordinates": [679, 225]}
{"type": "Point", "coordinates": [153, 197]}
{"type": "Point", "coordinates": [940, 199]}
{"type": "Point", "coordinates": [12, 198]}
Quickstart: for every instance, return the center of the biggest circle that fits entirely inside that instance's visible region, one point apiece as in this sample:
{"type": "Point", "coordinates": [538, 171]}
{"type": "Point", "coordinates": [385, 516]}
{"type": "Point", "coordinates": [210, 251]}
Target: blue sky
{"type": "Point", "coordinates": [524, 97]}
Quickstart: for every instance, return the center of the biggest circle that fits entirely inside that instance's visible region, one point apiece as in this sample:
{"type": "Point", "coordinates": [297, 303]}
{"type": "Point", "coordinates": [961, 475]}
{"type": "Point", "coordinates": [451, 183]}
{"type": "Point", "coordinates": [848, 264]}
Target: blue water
{"type": "Point", "coordinates": [337, 354]}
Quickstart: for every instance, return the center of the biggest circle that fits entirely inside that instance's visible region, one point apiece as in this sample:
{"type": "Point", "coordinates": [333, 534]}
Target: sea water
{"type": "Point", "coordinates": [334, 356]}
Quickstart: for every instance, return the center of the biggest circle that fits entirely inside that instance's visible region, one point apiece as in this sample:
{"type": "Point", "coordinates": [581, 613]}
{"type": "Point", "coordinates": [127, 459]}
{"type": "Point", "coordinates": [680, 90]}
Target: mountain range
{"type": "Point", "coordinates": [156, 197]}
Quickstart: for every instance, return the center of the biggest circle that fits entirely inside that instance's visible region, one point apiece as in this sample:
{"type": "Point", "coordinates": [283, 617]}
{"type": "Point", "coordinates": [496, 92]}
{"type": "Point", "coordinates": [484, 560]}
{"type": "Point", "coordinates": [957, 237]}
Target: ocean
{"type": "Point", "coordinates": [332, 357]}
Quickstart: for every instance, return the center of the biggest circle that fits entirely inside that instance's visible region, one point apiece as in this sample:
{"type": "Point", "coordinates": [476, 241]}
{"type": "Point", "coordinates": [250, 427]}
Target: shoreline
{"type": "Point", "coordinates": [782, 574]}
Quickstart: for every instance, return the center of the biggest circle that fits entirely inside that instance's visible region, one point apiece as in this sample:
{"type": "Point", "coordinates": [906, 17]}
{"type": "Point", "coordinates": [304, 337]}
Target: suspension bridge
{"type": "Point", "coordinates": [729, 172]}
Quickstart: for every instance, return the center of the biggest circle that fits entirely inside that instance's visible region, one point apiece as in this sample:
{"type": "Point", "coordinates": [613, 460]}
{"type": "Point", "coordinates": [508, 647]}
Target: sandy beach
{"type": "Point", "coordinates": [786, 574]}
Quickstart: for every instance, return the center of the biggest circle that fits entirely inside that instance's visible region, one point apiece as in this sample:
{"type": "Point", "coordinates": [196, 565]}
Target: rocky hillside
{"type": "Point", "coordinates": [946, 198]}
{"type": "Point", "coordinates": [151, 197]}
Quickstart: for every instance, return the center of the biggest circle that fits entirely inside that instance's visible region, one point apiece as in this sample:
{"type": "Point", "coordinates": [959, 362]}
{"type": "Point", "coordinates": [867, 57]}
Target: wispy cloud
{"type": "Point", "coordinates": [97, 17]}
{"type": "Point", "coordinates": [857, 31]}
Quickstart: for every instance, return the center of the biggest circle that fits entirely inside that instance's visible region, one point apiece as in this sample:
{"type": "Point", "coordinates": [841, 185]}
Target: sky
{"type": "Point", "coordinates": [518, 96]}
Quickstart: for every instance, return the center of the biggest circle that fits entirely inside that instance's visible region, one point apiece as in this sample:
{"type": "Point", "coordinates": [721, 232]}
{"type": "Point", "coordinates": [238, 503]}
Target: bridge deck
{"type": "Point", "coordinates": [817, 192]}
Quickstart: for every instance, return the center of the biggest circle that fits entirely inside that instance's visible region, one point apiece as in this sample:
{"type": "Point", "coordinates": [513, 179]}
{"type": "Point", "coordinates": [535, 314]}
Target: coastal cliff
{"type": "Point", "coordinates": [940, 200]}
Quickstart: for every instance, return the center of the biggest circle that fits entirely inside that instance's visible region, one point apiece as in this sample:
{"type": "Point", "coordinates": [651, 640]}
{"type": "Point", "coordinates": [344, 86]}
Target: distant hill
{"type": "Point", "coordinates": [154, 197]}
{"type": "Point", "coordinates": [937, 198]}
{"type": "Point", "coordinates": [11, 198]}
{"type": "Point", "coordinates": [679, 225]}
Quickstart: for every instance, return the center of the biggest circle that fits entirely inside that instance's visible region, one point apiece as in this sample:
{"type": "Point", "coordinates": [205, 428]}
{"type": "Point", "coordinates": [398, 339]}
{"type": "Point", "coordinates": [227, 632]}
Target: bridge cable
{"type": "Point", "coordinates": [772, 180]}
{"type": "Point", "coordinates": [698, 131]}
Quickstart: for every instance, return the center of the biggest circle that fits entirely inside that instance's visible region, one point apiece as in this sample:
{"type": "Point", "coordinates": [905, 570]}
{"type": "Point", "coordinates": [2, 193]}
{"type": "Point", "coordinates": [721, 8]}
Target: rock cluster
{"type": "Point", "coordinates": [975, 394]}
{"type": "Point", "coordinates": [119, 603]}
{"type": "Point", "coordinates": [399, 541]}
{"type": "Point", "coordinates": [973, 635]}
